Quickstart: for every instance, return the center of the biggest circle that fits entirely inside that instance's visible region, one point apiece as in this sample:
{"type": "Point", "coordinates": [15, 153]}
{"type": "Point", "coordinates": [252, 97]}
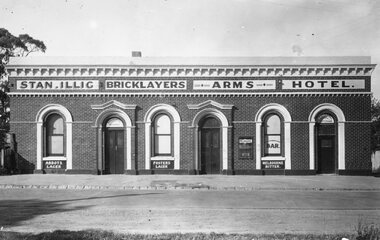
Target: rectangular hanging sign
{"type": "Point", "coordinates": [57, 85]}
{"type": "Point", "coordinates": [245, 147]}
{"type": "Point", "coordinates": [324, 84]}
{"type": "Point", "coordinates": [234, 85]}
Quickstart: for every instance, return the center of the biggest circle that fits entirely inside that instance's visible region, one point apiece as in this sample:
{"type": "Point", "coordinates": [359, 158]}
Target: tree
{"type": "Point", "coordinates": [375, 123]}
{"type": "Point", "coordinates": [12, 46]}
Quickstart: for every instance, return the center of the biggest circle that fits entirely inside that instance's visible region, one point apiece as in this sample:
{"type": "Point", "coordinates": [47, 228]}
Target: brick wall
{"type": "Point", "coordinates": [354, 107]}
{"type": "Point", "coordinates": [358, 150]}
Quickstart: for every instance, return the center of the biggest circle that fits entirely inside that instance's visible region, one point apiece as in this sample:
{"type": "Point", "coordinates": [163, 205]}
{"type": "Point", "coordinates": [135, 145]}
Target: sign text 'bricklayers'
{"type": "Point", "coordinates": [146, 85]}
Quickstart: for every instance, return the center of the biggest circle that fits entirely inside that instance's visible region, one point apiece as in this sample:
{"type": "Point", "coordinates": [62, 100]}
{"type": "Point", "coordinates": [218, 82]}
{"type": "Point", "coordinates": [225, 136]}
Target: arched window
{"type": "Point", "coordinates": [54, 135]}
{"type": "Point", "coordinates": [162, 135]}
{"type": "Point", "coordinates": [273, 135]}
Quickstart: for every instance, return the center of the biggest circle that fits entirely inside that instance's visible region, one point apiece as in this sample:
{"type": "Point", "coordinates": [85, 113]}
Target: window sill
{"type": "Point", "coordinates": [57, 158]}
{"type": "Point", "coordinates": [162, 158]}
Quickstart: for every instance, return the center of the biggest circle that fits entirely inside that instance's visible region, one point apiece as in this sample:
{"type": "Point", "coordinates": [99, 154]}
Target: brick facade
{"type": "Point", "coordinates": [240, 110]}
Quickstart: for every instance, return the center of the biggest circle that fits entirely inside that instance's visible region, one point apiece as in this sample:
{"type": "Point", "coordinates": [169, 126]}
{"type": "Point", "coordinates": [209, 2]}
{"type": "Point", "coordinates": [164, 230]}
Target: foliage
{"type": "Point", "coordinates": [105, 235]}
{"type": "Point", "coordinates": [375, 125]}
{"type": "Point", "coordinates": [3, 171]}
{"type": "Point", "coordinates": [21, 46]}
{"type": "Point", "coordinates": [12, 46]}
{"type": "Point", "coordinates": [366, 231]}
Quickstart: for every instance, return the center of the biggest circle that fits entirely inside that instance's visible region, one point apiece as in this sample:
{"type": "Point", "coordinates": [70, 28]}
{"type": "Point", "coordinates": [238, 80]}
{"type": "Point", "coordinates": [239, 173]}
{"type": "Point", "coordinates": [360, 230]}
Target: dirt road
{"type": "Point", "coordinates": [38, 210]}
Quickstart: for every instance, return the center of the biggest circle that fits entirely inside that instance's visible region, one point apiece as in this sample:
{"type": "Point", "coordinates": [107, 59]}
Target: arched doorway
{"type": "Point", "coordinates": [114, 146]}
{"type": "Point", "coordinates": [326, 143]}
{"type": "Point", "coordinates": [210, 145]}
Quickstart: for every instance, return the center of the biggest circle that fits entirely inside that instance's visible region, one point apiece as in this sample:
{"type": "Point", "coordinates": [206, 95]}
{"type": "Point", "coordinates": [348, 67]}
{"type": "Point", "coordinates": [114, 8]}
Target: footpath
{"type": "Point", "coordinates": [192, 182]}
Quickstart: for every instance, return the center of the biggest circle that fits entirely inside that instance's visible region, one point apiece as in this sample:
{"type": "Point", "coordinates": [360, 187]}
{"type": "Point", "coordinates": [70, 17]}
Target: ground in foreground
{"type": "Point", "coordinates": [106, 235]}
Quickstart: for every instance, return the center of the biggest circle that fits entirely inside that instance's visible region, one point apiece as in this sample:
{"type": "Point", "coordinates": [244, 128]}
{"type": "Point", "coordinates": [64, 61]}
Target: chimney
{"type": "Point", "coordinates": [136, 54]}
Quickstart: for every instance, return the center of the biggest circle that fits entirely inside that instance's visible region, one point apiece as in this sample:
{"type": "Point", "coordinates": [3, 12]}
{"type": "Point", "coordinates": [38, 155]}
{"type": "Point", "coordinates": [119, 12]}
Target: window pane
{"type": "Point", "coordinates": [55, 135]}
{"type": "Point", "coordinates": [272, 145]}
{"type": "Point", "coordinates": [55, 146]}
{"type": "Point", "coordinates": [325, 118]}
{"type": "Point", "coordinates": [55, 124]}
{"type": "Point", "coordinates": [162, 144]}
{"type": "Point", "coordinates": [162, 125]}
{"type": "Point", "coordinates": [210, 123]}
{"type": "Point", "coordinates": [114, 122]}
{"type": "Point", "coordinates": [273, 125]}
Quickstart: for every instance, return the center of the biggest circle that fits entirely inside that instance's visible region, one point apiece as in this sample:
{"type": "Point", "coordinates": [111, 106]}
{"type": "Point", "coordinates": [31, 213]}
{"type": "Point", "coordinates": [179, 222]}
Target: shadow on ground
{"type": "Point", "coordinates": [14, 212]}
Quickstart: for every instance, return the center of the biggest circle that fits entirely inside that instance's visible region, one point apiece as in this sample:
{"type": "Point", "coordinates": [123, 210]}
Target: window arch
{"type": "Point", "coordinates": [339, 121]}
{"type": "Point", "coordinates": [55, 132]}
{"type": "Point", "coordinates": [114, 118]}
{"type": "Point", "coordinates": [273, 134]}
{"type": "Point", "coordinates": [162, 135]}
{"type": "Point", "coordinates": [286, 143]}
{"type": "Point", "coordinates": [157, 130]}
{"type": "Point", "coordinates": [224, 125]}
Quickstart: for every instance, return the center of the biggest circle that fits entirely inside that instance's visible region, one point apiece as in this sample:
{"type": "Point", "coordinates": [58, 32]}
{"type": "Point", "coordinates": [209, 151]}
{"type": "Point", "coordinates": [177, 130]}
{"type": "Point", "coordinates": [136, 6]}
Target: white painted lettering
{"type": "Point", "coordinates": [324, 84]}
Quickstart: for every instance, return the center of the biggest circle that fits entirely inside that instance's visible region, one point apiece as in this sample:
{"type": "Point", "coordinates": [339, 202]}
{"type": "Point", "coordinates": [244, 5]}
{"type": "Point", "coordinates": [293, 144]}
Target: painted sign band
{"type": "Point", "coordinates": [236, 85]}
{"type": "Point", "coordinates": [323, 84]}
{"type": "Point", "coordinates": [58, 85]}
{"type": "Point", "coordinates": [146, 85]}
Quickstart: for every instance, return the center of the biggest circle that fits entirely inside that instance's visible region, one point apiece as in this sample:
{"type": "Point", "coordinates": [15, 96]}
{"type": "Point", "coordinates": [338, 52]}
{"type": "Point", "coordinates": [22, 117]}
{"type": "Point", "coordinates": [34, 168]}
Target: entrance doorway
{"type": "Point", "coordinates": [210, 146]}
{"type": "Point", "coordinates": [114, 147]}
{"type": "Point", "coordinates": [326, 144]}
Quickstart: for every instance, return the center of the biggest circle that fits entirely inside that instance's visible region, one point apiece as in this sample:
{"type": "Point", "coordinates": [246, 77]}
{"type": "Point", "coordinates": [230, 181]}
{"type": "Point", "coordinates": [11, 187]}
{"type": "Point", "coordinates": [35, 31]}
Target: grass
{"type": "Point", "coordinates": [104, 235]}
{"type": "Point", "coordinates": [363, 231]}
{"type": "Point", "coordinates": [367, 231]}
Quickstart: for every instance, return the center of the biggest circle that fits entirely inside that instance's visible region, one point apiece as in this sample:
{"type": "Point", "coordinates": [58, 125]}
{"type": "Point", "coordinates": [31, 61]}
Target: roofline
{"type": "Point", "coordinates": [49, 61]}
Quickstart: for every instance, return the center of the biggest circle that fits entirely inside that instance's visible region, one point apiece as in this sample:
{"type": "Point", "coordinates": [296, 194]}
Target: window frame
{"type": "Point", "coordinates": [46, 134]}
{"type": "Point", "coordinates": [153, 135]}
{"type": "Point", "coordinates": [264, 134]}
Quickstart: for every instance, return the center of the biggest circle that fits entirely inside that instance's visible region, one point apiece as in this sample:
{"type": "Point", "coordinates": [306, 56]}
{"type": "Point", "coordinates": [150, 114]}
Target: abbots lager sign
{"type": "Point", "coordinates": [54, 164]}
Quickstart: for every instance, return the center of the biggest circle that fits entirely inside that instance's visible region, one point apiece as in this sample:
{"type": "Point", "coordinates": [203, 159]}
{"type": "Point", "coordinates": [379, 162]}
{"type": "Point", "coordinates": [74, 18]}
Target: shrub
{"type": "Point", "coordinates": [367, 231]}
{"type": "Point", "coordinates": [4, 171]}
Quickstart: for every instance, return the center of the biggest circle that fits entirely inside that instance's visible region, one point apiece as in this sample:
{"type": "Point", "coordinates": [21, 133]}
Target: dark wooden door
{"type": "Point", "coordinates": [326, 154]}
{"type": "Point", "coordinates": [114, 151]}
{"type": "Point", "coordinates": [210, 151]}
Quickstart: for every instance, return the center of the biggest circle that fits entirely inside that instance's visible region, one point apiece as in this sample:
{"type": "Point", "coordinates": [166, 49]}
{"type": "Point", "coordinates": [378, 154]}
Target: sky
{"type": "Point", "coordinates": [200, 27]}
